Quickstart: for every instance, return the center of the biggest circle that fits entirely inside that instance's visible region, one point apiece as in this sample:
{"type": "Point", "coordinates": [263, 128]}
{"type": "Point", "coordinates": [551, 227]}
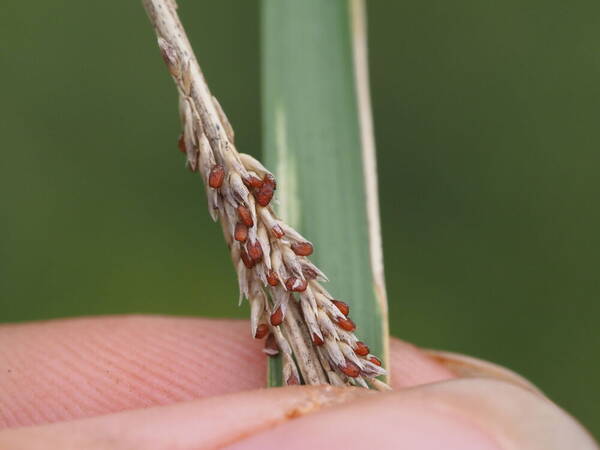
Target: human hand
{"type": "Point", "coordinates": [139, 382]}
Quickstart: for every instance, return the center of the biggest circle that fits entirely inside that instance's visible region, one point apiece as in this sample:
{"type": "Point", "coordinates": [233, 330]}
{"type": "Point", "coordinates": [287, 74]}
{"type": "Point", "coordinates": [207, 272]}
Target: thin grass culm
{"type": "Point", "coordinates": [301, 322]}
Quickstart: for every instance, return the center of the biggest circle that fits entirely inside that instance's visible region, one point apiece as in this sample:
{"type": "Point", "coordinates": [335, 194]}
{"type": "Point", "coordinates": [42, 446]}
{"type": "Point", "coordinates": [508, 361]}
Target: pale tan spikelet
{"type": "Point", "coordinates": [301, 322]}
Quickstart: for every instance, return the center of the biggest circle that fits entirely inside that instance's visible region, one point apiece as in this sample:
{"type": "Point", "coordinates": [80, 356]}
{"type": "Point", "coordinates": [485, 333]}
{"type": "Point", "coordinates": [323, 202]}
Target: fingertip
{"type": "Point", "coordinates": [383, 421]}
{"type": "Point", "coordinates": [410, 366]}
{"type": "Point", "coordinates": [465, 414]}
{"type": "Point", "coordinates": [66, 369]}
{"type": "Point", "coordinates": [212, 422]}
{"type": "Point", "coordinates": [465, 366]}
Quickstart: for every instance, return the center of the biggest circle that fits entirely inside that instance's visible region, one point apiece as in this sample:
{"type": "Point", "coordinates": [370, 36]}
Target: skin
{"type": "Point", "coordinates": [148, 382]}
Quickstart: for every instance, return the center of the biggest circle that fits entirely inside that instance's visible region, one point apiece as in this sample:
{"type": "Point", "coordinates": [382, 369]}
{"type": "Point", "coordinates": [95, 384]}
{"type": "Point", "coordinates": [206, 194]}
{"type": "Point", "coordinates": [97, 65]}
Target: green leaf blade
{"type": "Point", "coordinates": [312, 141]}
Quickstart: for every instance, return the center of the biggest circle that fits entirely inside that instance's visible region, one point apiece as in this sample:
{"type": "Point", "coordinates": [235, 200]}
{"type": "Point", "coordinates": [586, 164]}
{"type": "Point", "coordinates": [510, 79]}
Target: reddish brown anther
{"type": "Point", "coordinates": [248, 262]}
{"type": "Point", "coordinates": [302, 248]}
{"type": "Point", "coordinates": [252, 182]}
{"type": "Point", "coordinates": [361, 349]}
{"type": "Point", "coordinates": [241, 232]}
{"type": "Point", "coordinates": [277, 317]}
{"type": "Point", "coordinates": [342, 306]}
{"type": "Point", "coordinates": [216, 176]}
{"type": "Point", "coordinates": [261, 331]}
{"type": "Point", "coordinates": [255, 251]}
{"type": "Point", "coordinates": [317, 340]}
{"type": "Point", "coordinates": [350, 369]}
{"type": "Point", "coordinates": [181, 143]}
{"type": "Point", "coordinates": [271, 348]}
{"type": "Point", "coordinates": [346, 324]}
{"type": "Point", "coordinates": [296, 284]}
{"type": "Point", "coordinates": [309, 273]}
{"type": "Point", "coordinates": [270, 179]}
{"type": "Point", "coordinates": [375, 360]}
{"type": "Point", "coordinates": [264, 194]}
{"type": "Point", "coordinates": [272, 278]}
{"type": "Point", "coordinates": [277, 231]}
{"type": "Point", "coordinates": [292, 380]}
{"type": "Point", "coordinates": [245, 216]}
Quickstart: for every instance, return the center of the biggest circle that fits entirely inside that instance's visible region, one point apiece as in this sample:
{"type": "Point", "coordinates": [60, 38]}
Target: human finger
{"type": "Point", "coordinates": [467, 413]}
{"type": "Point", "coordinates": [68, 369]}
{"type": "Point", "coordinates": [206, 423]}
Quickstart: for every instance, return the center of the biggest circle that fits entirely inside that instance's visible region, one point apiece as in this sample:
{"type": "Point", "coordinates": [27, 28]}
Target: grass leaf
{"type": "Point", "coordinates": [318, 141]}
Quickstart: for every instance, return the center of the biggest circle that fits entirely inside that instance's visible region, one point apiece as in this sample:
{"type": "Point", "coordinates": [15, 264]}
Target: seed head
{"type": "Point", "coordinates": [274, 274]}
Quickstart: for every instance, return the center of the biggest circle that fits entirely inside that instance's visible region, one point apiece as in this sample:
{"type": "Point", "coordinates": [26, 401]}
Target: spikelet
{"type": "Point", "coordinates": [302, 323]}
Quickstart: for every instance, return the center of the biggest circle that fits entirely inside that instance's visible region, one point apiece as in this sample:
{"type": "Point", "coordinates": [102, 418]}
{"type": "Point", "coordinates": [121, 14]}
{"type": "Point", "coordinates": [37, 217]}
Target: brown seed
{"type": "Point", "coordinates": [350, 369]}
{"type": "Point", "coordinates": [346, 324]}
{"type": "Point", "coordinates": [252, 182]}
{"type": "Point", "coordinates": [255, 251]}
{"type": "Point", "coordinates": [264, 194]}
{"type": "Point", "coordinates": [292, 380]}
{"type": "Point", "coordinates": [261, 331]}
{"type": "Point", "coordinates": [241, 232]}
{"type": "Point", "coordinates": [271, 347]}
{"type": "Point", "coordinates": [272, 278]}
{"type": "Point", "coordinates": [375, 360]}
{"type": "Point", "coordinates": [181, 143]}
{"type": "Point", "coordinates": [342, 306]}
{"type": "Point", "coordinates": [216, 176]}
{"type": "Point", "coordinates": [248, 262]}
{"type": "Point", "coordinates": [296, 284]}
{"type": "Point", "coordinates": [302, 248]}
{"type": "Point", "coordinates": [317, 340]}
{"type": "Point", "coordinates": [245, 216]}
{"type": "Point", "coordinates": [361, 349]}
{"type": "Point", "coordinates": [277, 317]}
{"type": "Point", "coordinates": [277, 231]}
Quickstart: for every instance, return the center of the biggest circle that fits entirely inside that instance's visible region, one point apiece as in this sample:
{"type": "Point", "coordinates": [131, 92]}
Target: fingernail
{"type": "Point", "coordinates": [468, 367]}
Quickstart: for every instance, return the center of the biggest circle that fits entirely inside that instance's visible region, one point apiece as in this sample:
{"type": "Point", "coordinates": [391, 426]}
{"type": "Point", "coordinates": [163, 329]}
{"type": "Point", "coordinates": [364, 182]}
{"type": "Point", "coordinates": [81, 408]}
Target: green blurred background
{"type": "Point", "coordinates": [486, 119]}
